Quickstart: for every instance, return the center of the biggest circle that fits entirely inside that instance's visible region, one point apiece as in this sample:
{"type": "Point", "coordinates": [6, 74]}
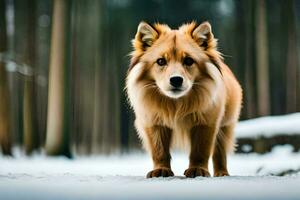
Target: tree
{"type": "Point", "coordinates": [5, 137]}
{"type": "Point", "coordinates": [24, 39]}
{"type": "Point", "coordinates": [96, 136]}
{"type": "Point", "coordinates": [30, 132]}
{"type": "Point", "coordinates": [292, 60]}
{"type": "Point", "coordinates": [57, 141]}
{"type": "Point", "coordinates": [249, 90]}
{"type": "Point", "coordinates": [262, 59]}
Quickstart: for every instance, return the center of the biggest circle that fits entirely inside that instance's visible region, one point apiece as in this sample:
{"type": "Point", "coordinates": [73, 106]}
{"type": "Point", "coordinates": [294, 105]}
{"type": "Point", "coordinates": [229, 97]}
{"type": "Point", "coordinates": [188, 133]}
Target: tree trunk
{"type": "Point", "coordinates": [31, 137]}
{"type": "Point", "coordinates": [5, 137]}
{"type": "Point", "coordinates": [25, 51]}
{"type": "Point", "coordinates": [250, 100]}
{"type": "Point", "coordinates": [262, 59]}
{"type": "Point", "coordinates": [96, 132]}
{"type": "Point", "coordinates": [292, 63]}
{"type": "Point", "coordinates": [57, 141]}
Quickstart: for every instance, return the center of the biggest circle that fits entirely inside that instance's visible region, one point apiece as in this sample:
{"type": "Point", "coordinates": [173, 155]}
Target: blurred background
{"type": "Point", "coordinates": [63, 65]}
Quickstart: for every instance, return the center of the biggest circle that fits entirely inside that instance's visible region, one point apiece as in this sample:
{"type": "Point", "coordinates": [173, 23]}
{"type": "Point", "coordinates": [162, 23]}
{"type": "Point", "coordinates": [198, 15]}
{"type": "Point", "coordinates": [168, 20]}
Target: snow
{"type": "Point", "coordinates": [123, 177]}
{"type": "Point", "coordinates": [269, 126]}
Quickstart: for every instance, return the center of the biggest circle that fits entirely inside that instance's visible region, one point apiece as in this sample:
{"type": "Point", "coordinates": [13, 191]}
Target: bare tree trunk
{"type": "Point", "coordinates": [96, 132]}
{"type": "Point", "coordinates": [250, 98]}
{"type": "Point", "coordinates": [262, 59]}
{"type": "Point", "coordinates": [5, 137]}
{"type": "Point", "coordinates": [57, 141]}
{"type": "Point", "coordinates": [30, 139]}
{"type": "Point", "coordinates": [25, 49]}
{"type": "Point", "coordinates": [292, 63]}
{"type": "Point", "coordinates": [29, 112]}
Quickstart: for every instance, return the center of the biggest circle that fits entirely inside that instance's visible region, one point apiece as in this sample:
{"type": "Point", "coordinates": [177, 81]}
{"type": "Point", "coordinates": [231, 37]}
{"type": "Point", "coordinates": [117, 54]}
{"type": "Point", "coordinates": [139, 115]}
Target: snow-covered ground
{"type": "Point", "coordinates": [123, 177]}
{"type": "Point", "coordinates": [269, 126]}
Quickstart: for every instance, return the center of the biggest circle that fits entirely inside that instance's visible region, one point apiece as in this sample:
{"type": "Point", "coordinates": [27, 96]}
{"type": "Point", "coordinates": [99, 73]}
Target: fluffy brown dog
{"type": "Point", "coordinates": [183, 95]}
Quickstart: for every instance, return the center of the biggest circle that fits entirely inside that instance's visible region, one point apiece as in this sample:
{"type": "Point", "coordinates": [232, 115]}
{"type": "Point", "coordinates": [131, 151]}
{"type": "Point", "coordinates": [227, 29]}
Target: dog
{"type": "Point", "coordinates": [183, 95]}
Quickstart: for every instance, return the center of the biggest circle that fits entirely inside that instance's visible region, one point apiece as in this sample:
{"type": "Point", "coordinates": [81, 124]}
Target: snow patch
{"type": "Point", "coordinates": [269, 126]}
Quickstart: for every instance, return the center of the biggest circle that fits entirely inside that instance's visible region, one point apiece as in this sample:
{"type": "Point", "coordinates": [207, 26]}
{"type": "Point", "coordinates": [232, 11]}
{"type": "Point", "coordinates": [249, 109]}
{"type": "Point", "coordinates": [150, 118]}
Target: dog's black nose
{"type": "Point", "coordinates": [176, 81]}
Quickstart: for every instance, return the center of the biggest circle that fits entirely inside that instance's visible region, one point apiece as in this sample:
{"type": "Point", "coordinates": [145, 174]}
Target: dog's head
{"type": "Point", "coordinates": [174, 61]}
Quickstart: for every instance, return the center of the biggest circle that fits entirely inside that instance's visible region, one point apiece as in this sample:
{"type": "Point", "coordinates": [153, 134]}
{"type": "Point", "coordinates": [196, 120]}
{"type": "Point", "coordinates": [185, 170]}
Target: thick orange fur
{"type": "Point", "coordinates": [203, 118]}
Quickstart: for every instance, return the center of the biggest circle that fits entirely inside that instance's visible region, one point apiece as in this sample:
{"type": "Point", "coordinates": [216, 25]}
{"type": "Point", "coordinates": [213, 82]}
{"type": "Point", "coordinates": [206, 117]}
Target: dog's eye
{"type": "Point", "coordinates": [161, 61]}
{"type": "Point", "coordinates": [188, 61]}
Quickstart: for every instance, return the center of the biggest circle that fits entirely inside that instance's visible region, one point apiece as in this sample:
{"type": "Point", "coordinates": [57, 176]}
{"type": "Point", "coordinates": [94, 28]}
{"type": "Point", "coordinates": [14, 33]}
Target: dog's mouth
{"type": "Point", "coordinates": [176, 90]}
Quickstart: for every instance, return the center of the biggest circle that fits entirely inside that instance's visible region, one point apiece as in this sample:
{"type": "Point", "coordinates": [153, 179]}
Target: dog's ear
{"type": "Point", "coordinates": [145, 36]}
{"type": "Point", "coordinates": [203, 35]}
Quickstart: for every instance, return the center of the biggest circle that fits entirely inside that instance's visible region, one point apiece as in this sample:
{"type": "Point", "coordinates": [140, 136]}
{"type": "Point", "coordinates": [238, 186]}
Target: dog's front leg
{"type": "Point", "coordinates": [159, 139]}
{"type": "Point", "coordinates": [202, 140]}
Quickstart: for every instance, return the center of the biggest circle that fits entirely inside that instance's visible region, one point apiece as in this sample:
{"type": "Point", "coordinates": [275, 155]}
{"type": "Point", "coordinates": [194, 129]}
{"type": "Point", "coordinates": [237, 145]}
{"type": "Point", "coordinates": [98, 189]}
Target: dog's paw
{"type": "Point", "coordinates": [160, 172]}
{"type": "Point", "coordinates": [192, 172]}
{"type": "Point", "coordinates": [221, 173]}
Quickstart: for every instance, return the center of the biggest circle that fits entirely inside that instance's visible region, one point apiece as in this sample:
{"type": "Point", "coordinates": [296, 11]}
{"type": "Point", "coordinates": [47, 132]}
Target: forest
{"type": "Point", "coordinates": [63, 65]}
